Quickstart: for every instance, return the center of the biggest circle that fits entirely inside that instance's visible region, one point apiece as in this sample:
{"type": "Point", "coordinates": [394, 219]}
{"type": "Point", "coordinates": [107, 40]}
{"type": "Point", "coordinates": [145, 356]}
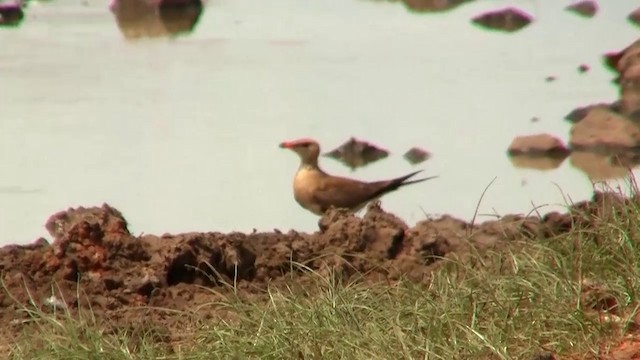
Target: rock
{"type": "Point", "coordinates": [509, 19]}
{"type": "Point", "coordinates": [586, 8]}
{"type": "Point", "coordinates": [11, 13]}
{"type": "Point", "coordinates": [416, 155]}
{"type": "Point", "coordinates": [583, 68]}
{"type": "Point", "coordinates": [580, 113]}
{"type": "Point", "coordinates": [105, 217]}
{"type": "Point", "coordinates": [604, 130]}
{"type": "Point", "coordinates": [141, 18]}
{"type": "Point", "coordinates": [619, 61]}
{"type": "Point", "coordinates": [630, 91]}
{"type": "Point", "coordinates": [538, 145]}
{"type": "Point", "coordinates": [634, 17]}
{"type": "Point", "coordinates": [550, 78]}
{"type": "Point", "coordinates": [55, 303]}
{"type": "Point", "coordinates": [627, 64]}
{"type": "Point", "coordinates": [355, 153]}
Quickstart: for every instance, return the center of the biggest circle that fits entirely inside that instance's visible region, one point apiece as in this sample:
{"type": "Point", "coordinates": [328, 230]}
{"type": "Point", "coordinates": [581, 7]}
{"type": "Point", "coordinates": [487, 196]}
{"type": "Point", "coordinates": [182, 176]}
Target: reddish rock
{"type": "Point", "coordinates": [538, 145]}
{"type": "Point", "coordinates": [619, 61]}
{"type": "Point", "coordinates": [627, 63]}
{"type": "Point", "coordinates": [508, 20]}
{"type": "Point", "coordinates": [604, 130]}
{"type": "Point", "coordinates": [631, 74]}
{"type": "Point", "coordinates": [105, 217]}
{"type": "Point", "coordinates": [580, 113]}
{"type": "Point", "coordinates": [583, 68]}
{"type": "Point", "coordinates": [586, 8]}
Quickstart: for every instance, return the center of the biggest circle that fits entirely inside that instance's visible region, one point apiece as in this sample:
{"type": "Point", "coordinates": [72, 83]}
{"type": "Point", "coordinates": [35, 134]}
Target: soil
{"type": "Point", "coordinates": [94, 263]}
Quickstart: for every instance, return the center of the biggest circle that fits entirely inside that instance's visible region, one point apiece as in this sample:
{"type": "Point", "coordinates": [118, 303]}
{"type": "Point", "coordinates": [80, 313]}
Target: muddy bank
{"type": "Point", "coordinates": [95, 263]}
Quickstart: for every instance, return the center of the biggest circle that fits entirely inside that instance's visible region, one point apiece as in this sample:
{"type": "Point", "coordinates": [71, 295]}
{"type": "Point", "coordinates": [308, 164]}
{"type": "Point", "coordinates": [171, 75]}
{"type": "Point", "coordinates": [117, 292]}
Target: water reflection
{"type": "Point", "coordinates": [432, 5]}
{"type": "Point", "coordinates": [11, 13]}
{"type": "Point", "coordinates": [140, 18]}
{"type": "Point", "coordinates": [536, 162]}
{"type": "Point", "coordinates": [597, 166]}
{"type": "Point", "coordinates": [508, 20]}
{"type": "Point", "coordinates": [629, 159]}
{"type": "Point", "coordinates": [355, 153]}
{"type": "Point", "coordinates": [540, 152]}
{"type": "Point", "coordinates": [17, 190]}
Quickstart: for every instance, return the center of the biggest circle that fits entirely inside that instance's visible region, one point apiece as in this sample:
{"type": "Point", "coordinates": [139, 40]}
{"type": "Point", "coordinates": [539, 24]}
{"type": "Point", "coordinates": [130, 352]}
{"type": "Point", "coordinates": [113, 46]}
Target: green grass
{"type": "Point", "coordinates": [510, 303]}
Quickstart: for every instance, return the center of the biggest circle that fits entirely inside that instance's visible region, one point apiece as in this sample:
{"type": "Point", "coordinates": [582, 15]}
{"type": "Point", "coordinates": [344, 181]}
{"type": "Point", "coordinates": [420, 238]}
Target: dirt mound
{"type": "Point", "coordinates": [95, 263]}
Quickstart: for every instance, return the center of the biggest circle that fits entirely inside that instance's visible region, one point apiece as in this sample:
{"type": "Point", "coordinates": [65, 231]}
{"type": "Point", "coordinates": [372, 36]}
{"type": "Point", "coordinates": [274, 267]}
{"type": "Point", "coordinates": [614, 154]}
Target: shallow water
{"type": "Point", "coordinates": [181, 134]}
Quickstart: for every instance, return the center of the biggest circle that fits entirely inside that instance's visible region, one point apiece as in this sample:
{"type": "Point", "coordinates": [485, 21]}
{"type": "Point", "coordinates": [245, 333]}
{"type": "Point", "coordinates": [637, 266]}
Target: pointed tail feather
{"type": "Point", "coordinates": [401, 181]}
{"type": "Point", "coordinates": [392, 185]}
{"type": "Point", "coordinates": [417, 180]}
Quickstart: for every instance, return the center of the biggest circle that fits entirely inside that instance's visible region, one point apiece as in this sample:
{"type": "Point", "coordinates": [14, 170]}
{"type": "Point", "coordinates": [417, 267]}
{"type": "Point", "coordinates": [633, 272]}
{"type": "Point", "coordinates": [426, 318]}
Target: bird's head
{"type": "Point", "coordinates": [307, 149]}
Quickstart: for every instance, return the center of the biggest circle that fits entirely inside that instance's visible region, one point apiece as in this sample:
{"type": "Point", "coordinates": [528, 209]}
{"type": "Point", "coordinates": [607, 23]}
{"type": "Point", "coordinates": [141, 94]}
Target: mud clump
{"type": "Point", "coordinates": [94, 263]}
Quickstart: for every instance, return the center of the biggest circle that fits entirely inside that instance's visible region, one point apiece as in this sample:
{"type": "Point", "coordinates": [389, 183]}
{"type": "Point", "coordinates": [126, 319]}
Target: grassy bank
{"type": "Point", "coordinates": [572, 295]}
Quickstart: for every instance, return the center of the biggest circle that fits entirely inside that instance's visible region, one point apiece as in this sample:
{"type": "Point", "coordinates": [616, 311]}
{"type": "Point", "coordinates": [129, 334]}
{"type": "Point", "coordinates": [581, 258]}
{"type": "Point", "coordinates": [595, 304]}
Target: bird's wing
{"type": "Point", "coordinates": [346, 193]}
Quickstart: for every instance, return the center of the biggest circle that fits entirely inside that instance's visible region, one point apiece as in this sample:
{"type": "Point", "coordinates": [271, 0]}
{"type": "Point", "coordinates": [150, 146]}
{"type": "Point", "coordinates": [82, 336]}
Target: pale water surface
{"type": "Point", "coordinates": [181, 134]}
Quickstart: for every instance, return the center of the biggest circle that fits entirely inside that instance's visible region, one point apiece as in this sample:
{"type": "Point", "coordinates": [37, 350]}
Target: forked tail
{"type": "Point", "coordinates": [394, 184]}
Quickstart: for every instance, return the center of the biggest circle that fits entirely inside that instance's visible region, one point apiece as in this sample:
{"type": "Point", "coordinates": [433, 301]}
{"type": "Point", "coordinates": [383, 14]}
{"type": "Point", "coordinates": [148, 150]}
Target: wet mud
{"type": "Point", "coordinates": [93, 263]}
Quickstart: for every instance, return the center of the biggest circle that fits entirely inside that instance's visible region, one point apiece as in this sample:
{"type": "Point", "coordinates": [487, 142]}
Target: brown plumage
{"type": "Point", "coordinates": [317, 191]}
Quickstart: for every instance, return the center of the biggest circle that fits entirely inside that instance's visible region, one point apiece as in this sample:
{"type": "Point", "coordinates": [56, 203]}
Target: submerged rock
{"type": "Point", "coordinates": [416, 155]}
{"type": "Point", "coordinates": [602, 129]}
{"type": "Point", "coordinates": [580, 113]}
{"type": "Point", "coordinates": [586, 8]}
{"type": "Point", "coordinates": [355, 153]}
{"type": "Point", "coordinates": [143, 18]}
{"type": "Point", "coordinates": [543, 145]}
{"type": "Point", "coordinates": [11, 13]}
{"type": "Point", "coordinates": [508, 20]}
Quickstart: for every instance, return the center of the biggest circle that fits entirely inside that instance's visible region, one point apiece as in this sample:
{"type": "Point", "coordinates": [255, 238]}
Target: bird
{"type": "Point", "coordinates": [317, 191]}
